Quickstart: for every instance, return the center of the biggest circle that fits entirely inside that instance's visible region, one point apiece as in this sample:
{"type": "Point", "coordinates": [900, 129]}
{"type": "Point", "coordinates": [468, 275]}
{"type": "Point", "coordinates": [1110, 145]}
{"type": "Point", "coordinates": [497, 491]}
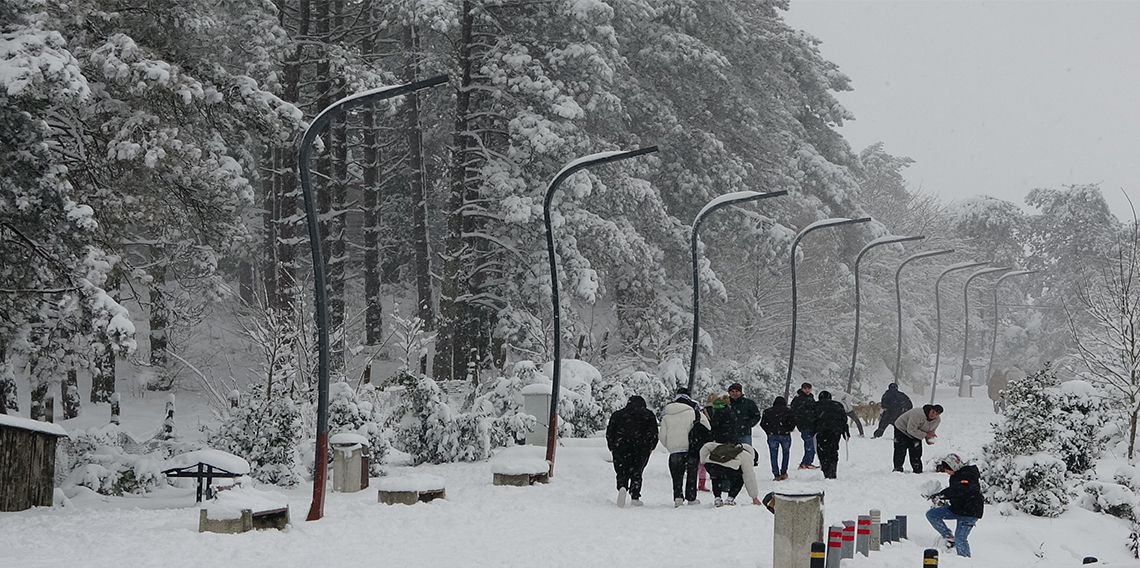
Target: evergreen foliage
{"type": "Point", "coordinates": [267, 434]}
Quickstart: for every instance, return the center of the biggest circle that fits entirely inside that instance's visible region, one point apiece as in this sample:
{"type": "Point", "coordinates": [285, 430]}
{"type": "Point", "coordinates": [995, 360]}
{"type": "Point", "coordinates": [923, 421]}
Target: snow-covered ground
{"type": "Point", "coordinates": [570, 522]}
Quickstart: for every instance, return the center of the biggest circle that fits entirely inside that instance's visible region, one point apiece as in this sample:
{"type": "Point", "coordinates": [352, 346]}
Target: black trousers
{"type": "Point", "coordinates": [629, 469]}
{"type": "Point", "coordinates": [725, 479]}
{"type": "Point", "coordinates": [905, 444]}
{"type": "Point", "coordinates": [827, 448]}
{"type": "Point", "coordinates": [683, 469]}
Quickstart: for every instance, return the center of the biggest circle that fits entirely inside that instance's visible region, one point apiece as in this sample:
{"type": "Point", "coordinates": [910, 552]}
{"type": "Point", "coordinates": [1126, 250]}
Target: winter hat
{"type": "Point", "coordinates": [683, 390]}
{"type": "Point", "coordinates": [824, 395]}
{"type": "Point", "coordinates": [780, 401]}
{"type": "Point", "coordinates": [636, 401]}
{"type": "Point", "coordinates": [805, 386]}
{"type": "Point", "coordinates": [893, 386]}
{"type": "Point", "coordinates": [735, 387]}
{"type": "Point", "coordinates": [953, 462]}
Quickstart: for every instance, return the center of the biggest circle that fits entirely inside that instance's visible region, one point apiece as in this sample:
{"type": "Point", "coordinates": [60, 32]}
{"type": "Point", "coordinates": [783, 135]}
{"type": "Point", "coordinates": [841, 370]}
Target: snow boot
{"type": "Point", "coordinates": [718, 502]}
{"type": "Point", "coordinates": [678, 502]}
{"type": "Point", "coordinates": [621, 496]}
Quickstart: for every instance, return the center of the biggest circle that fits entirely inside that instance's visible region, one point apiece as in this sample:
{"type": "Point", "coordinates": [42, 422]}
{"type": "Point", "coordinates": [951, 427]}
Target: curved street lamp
{"type": "Point", "coordinates": [898, 299]}
{"type": "Point", "coordinates": [963, 387]}
{"type": "Point", "coordinates": [717, 203]}
{"type": "Point", "coordinates": [938, 318]}
{"type": "Point", "coordinates": [877, 242]}
{"type": "Point", "coordinates": [993, 341]}
{"type": "Point", "coordinates": [832, 222]}
{"type": "Point", "coordinates": [322, 120]}
{"type": "Point", "coordinates": [567, 171]}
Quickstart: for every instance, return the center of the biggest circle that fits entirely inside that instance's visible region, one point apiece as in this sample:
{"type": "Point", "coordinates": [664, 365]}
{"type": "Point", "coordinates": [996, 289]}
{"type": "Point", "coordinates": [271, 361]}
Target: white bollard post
{"type": "Point", "coordinates": [876, 519]}
{"type": "Point", "coordinates": [798, 523]}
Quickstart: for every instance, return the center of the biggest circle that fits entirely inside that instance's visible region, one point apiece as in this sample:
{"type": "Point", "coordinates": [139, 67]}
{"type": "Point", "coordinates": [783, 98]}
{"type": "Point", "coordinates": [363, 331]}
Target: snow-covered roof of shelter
{"type": "Point", "coordinates": [33, 425]}
{"type": "Point", "coordinates": [216, 458]}
{"type": "Point", "coordinates": [572, 372]}
{"type": "Point", "coordinates": [348, 439]}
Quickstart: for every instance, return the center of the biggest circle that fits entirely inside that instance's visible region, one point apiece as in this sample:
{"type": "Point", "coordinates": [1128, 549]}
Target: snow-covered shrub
{"type": "Point", "coordinates": [1079, 423]}
{"type": "Point", "coordinates": [98, 461]}
{"type": "Point", "coordinates": [1116, 500]}
{"type": "Point", "coordinates": [650, 387]}
{"type": "Point", "coordinates": [761, 377]}
{"type": "Point", "coordinates": [430, 431]}
{"type": "Point", "coordinates": [1021, 462]}
{"type": "Point", "coordinates": [1126, 475]}
{"type": "Point", "coordinates": [502, 400]}
{"type": "Point", "coordinates": [266, 434]}
{"type": "Point", "coordinates": [349, 412]}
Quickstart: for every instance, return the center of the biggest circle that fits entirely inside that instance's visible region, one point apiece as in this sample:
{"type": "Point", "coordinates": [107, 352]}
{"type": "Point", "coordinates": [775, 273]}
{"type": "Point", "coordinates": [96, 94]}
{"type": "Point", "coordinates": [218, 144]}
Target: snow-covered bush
{"type": "Point", "coordinates": [349, 412]}
{"type": "Point", "coordinates": [266, 434]}
{"type": "Point", "coordinates": [99, 461]}
{"type": "Point", "coordinates": [1114, 499]}
{"type": "Point", "coordinates": [502, 399]}
{"type": "Point", "coordinates": [761, 377]}
{"type": "Point", "coordinates": [1021, 462]}
{"type": "Point", "coordinates": [430, 431]}
{"type": "Point", "coordinates": [1079, 424]}
{"type": "Point", "coordinates": [650, 387]}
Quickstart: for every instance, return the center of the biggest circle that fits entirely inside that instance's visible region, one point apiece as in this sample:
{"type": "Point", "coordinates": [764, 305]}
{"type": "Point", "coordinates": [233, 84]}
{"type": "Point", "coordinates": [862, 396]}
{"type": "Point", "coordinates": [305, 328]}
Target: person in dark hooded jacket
{"type": "Point", "coordinates": [966, 503]}
{"type": "Point", "coordinates": [631, 437]}
{"type": "Point", "coordinates": [778, 422]}
{"type": "Point", "coordinates": [803, 407]}
{"type": "Point", "coordinates": [829, 424]}
{"type": "Point", "coordinates": [895, 403]}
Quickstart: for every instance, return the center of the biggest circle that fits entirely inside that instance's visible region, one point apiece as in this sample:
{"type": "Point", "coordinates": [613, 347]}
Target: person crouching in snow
{"type": "Point", "coordinates": [729, 463]}
{"type": "Point", "coordinates": [966, 503]}
{"type": "Point", "coordinates": [631, 437]}
{"type": "Point", "coordinates": [677, 420]}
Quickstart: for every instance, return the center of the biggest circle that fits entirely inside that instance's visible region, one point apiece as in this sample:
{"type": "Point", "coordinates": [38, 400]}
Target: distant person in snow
{"type": "Point", "coordinates": [778, 422]}
{"type": "Point", "coordinates": [830, 425]}
{"type": "Point", "coordinates": [848, 401]}
{"type": "Point", "coordinates": [677, 421]}
{"type": "Point", "coordinates": [996, 389]}
{"type": "Point", "coordinates": [729, 463]}
{"type": "Point", "coordinates": [803, 408]}
{"type": "Point", "coordinates": [631, 437]}
{"type": "Point", "coordinates": [895, 403]}
{"type": "Point", "coordinates": [911, 429]}
{"type": "Point", "coordinates": [966, 504]}
{"type": "Point", "coordinates": [747, 414]}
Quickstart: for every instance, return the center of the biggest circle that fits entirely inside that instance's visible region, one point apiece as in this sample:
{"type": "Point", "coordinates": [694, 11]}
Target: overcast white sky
{"type": "Point", "coordinates": [993, 97]}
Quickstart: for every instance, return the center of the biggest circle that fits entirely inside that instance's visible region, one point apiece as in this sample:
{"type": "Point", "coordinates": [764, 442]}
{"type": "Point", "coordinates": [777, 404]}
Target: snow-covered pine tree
{"type": "Point", "coordinates": [264, 432]}
{"type": "Point", "coordinates": [431, 431]}
{"type": "Point", "coordinates": [1021, 464]}
{"type": "Point", "coordinates": [1079, 424]}
{"type": "Point", "coordinates": [350, 412]}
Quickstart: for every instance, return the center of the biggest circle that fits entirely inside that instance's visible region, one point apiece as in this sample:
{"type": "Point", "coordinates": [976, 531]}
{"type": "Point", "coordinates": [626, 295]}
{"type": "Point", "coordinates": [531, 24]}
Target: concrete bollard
{"type": "Point", "coordinates": [901, 524]}
{"type": "Point", "coordinates": [848, 549]}
{"type": "Point", "coordinates": [863, 535]}
{"type": "Point", "coordinates": [876, 534]}
{"type": "Point", "coordinates": [798, 523]}
{"type": "Point", "coordinates": [930, 558]}
{"type": "Point", "coordinates": [818, 555]}
{"type": "Point", "coordinates": [834, 546]}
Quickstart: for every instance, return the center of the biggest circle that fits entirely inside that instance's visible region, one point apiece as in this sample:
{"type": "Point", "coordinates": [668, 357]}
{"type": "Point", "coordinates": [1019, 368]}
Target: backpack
{"type": "Point", "coordinates": [725, 453]}
{"type": "Point", "coordinates": [699, 434]}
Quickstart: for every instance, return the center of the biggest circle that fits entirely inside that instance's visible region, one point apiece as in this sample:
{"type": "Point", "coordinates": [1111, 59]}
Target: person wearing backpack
{"type": "Point", "coordinates": [631, 436]}
{"type": "Point", "coordinates": [778, 422]}
{"type": "Point", "coordinates": [682, 422]}
{"type": "Point", "coordinates": [729, 464]}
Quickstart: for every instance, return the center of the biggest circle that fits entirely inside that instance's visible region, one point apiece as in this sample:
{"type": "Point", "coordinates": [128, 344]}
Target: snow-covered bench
{"type": "Point", "coordinates": [410, 489]}
{"type": "Point", "coordinates": [520, 466]}
{"type": "Point", "coordinates": [206, 466]}
{"type": "Point", "coordinates": [242, 509]}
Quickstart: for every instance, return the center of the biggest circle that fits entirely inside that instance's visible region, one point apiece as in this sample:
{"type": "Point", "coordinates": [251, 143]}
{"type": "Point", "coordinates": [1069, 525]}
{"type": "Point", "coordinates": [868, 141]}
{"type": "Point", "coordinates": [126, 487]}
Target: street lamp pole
{"type": "Point", "coordinates": [963, 386]}
{"type": "Point", "coordinates": [717, 203]}
{"type": "Point", "coordinates": [993, 341]}
{"type": "Point", "coordinates": [938, 318]}
{"type": "Point", "coordinates": [855, 343]}
{"type": "Point", "coordinates": [322, 120]}
{"type": "Point", "coordinates": [567, 171]}
{"type": "Point", "coordinates": [898, 300]}
{"type": "Point", "coordinates": [832, 222]}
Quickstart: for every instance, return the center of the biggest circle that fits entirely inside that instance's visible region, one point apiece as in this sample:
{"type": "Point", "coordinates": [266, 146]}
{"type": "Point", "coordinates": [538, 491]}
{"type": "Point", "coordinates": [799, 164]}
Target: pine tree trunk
{"type": "Point", "coordinates": [39, 395]}
{"type": "Point", "coordinates": [449, 344]}
{"type": "Point", "coordinates": [417, 189]}
{"type": "Point", "coordinates": [287, 174]}
{"type": "Point", "coordinates": [103, 370]}
{"type": "Point", "coordinates": [69, 395]}
{"type": "Point", "coordinates": [338, 224]}
{"type": "Point", "coordinates": [271, 216]}
{"type": "Point", "coordinates": [370, 226]}
{"type": "Point", "coordinates": [8, 398]}
{"type": "Point", "coordinates": [159, 321]}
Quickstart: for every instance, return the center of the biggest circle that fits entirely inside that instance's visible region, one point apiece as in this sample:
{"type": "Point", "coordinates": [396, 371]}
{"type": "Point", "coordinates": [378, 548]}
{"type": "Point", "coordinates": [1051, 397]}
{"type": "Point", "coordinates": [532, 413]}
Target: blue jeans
{"type": "Point", "coordinates": [775, 443]}
{"type": "Point", "coordinates": [809, 447]}
{"type": "Point", "coordinates": [938, 516]}
{"type": "Point", "coordinates": [746, 439]}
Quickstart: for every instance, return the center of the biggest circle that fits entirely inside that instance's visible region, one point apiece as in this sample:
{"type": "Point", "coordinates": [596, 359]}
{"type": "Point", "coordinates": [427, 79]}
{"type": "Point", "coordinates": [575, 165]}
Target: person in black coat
{"type": "Point", "coordinates": [803, 407]}
{"type": "Point", "coordinates": [631, 437]}
{"type": "Point", "coordinates": [778, 422]}
{"type": "Point", "coordinates": [829, 424]}
{"type": "Point", "coordinates": [895, 403]}
{"type": "Point", "coordinates": [966, 503]}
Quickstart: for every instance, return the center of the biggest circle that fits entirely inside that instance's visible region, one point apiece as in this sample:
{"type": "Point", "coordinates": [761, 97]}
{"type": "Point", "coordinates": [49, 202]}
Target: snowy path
{"type": "Point", "coordinates": [572, 522]}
